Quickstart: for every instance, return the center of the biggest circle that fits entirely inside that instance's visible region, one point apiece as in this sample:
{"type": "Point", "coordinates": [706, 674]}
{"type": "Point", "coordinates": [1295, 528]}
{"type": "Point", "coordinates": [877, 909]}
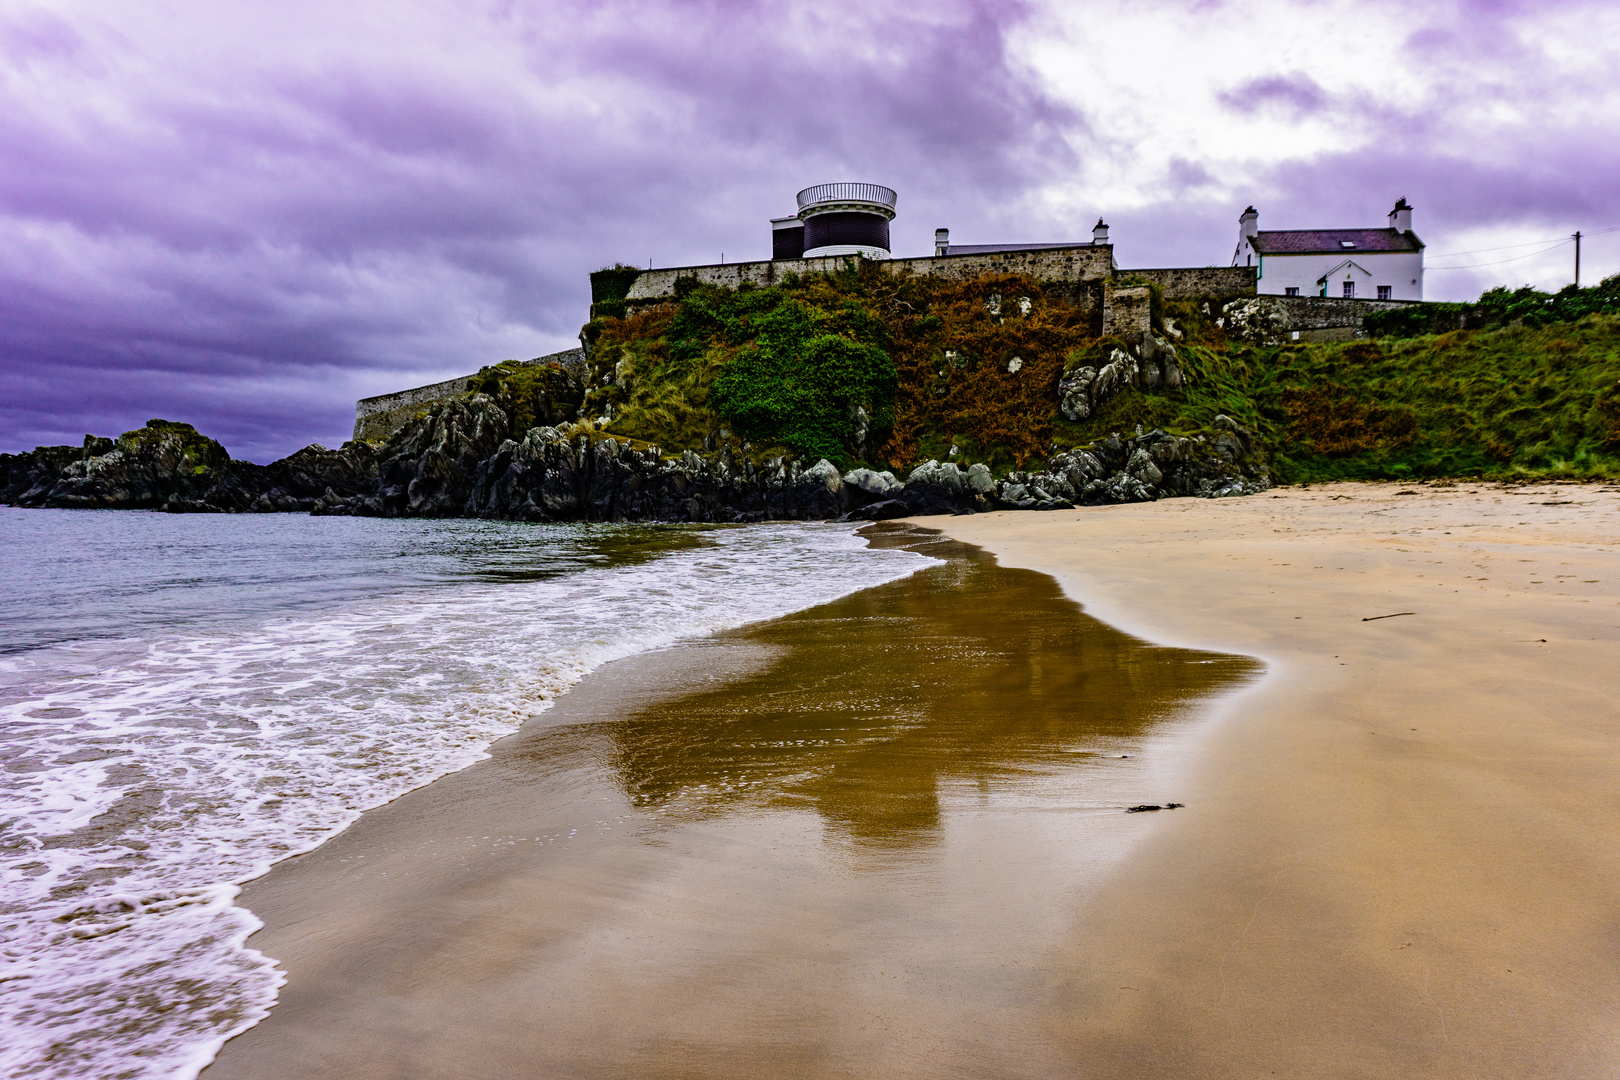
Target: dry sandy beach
{"type": "Point", "coordinates": [1400, 853]}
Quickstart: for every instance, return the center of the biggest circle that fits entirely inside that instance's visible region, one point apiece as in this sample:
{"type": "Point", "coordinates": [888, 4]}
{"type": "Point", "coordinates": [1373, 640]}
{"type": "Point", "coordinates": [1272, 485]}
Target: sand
{"type": "Point", "coordinates": [844, 843]}
{"type": "Point", "coordinates": [1401, 853]}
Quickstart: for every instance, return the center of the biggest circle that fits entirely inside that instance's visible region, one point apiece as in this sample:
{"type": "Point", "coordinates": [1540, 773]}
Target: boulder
{"type": "Point", "coordinates": [1074, 393]}
{"type": "Point", "coordinates": [876, 484]}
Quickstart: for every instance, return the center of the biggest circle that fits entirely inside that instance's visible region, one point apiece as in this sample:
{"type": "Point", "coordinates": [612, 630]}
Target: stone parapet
{"type": "Point", "coordinates": [1197, 282]}
{"type": "Point", "coordinates": [1084, 262]}
{"type": "Point", "coordinates": [1309, 313]}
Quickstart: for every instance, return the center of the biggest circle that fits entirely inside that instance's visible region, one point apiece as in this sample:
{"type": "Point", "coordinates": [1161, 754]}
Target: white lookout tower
{"type": "Point", "coordinates": [836, 219]}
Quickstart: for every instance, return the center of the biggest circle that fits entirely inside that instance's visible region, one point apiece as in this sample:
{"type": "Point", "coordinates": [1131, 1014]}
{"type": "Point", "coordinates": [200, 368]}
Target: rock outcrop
{"type": "Point", "coordinates": [1150, 364]}
{"type": "Point", "coordinates": [1257, 320]}
{"type": "Point", "coordinates": [461, 459]}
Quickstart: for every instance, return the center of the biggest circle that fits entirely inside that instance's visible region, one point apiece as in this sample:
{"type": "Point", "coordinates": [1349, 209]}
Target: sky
{"type": "Point", "coordinates": [247, 215]}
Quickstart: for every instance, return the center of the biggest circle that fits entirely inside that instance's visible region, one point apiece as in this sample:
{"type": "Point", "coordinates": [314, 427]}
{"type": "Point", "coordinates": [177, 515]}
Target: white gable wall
{"type": "Point", "coordinates": [1402, 271]}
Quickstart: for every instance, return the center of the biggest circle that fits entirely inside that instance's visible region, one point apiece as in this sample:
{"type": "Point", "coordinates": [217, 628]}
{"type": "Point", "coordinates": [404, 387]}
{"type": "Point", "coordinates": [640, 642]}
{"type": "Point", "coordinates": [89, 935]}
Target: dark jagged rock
{"type": "Point", "coordinates": [461, 459]}
{"type": "Point", "coordinates": [1150, 466]}
{"type": "Point", "coordinates": [169, 466]}
{"type": "Point", "coordinates": [429, 467]}
{"type": "Point", "coordinates": [144, 468]}
{"type": "Point", "coordinates": [551, 476]}
{"type": "Point", "coordinates": [301, 480]}
{"type": "Point", "coordinates": [886, 510]}
{"type": "Point", "coordinates": [22, 473]}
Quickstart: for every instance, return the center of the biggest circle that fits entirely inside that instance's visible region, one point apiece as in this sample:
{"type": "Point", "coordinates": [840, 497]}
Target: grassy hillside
{"type": "Point", "coordinates": [865, 368]}
{"type": "Point", "coordinates": [927, 362]}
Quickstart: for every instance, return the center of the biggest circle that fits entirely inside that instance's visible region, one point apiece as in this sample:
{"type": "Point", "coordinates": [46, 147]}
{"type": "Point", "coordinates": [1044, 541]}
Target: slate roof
{"type": "Point", "coordinates": [987, 249]}
{"type": "Point", "coordinates": [1327, 241]}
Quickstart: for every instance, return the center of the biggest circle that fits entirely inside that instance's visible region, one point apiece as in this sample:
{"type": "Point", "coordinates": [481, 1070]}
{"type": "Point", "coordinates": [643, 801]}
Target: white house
{"type": "Point", "coordinates": [1369, 264]}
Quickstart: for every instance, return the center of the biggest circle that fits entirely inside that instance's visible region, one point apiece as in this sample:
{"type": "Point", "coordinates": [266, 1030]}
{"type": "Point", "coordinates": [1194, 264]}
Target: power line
{"type": "Point", "coordinates": [1528, 243]}
{"type": "Point", "coordinates": [1482, 251]}
{"type": "Point", "coordinates": [1503, 262]}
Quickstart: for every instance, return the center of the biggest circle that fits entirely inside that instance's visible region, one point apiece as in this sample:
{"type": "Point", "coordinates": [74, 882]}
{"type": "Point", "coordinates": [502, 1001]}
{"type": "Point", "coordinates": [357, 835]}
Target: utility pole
{"type": "Point", "coordinates": [1577, 258]}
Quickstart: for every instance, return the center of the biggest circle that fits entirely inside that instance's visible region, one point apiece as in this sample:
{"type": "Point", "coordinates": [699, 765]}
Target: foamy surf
{"type": "Point", "coordinates": [145, 777]}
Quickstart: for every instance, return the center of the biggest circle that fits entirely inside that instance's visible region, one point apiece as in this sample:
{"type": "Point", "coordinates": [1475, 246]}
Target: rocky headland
{"type": "Point", "coordinates": [861, 396]}
{"type": "Point", "coordinates": [463, 458]}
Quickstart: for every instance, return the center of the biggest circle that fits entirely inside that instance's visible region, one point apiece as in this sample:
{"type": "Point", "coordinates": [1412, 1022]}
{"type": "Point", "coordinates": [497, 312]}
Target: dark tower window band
{"type": "Point", "coordinates": [846, 227]}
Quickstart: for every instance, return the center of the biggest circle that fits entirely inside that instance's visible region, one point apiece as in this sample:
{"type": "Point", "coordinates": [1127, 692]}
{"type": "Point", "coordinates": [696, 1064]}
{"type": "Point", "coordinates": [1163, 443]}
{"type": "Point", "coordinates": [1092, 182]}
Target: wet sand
{"type": "Point", "coordinates": [1401, 856]}
{"type": "Point", "coordinates": [852, 842]}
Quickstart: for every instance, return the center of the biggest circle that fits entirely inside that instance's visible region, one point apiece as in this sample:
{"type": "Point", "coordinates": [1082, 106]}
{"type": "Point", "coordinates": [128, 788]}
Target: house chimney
{"type": "Point", "coordinates": [942, 241]}
{"type": "Point", "coordinates": [1400, 218]}
{"type": "Point", "coordinates": [1099, 233]}
{"type": "Point", "coordinates": [1248, 224]}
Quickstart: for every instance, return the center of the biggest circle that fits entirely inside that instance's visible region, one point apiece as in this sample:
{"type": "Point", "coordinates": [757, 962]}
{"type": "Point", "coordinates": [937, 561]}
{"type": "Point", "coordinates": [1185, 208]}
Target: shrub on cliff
{"type": "Point", "coordinates": [1501, 306]}
{"type": "Point", "coordinates": [532, 394]}
{"type": "Point", "coordinates": [805, 397]}
{"type": "Point", "coordinates": [1511, 401]}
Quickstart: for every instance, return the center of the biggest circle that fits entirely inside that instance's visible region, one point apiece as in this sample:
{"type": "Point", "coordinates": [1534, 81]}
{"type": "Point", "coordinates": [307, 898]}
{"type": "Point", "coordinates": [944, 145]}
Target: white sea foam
{"type": "Point", "coordinates": [142, 780]}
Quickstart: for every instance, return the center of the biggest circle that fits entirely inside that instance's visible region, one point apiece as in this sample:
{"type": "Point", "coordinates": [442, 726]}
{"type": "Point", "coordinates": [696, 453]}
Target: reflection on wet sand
{"type": "Point", "coordinates": [966, 672]}
{"type": "Point", "coordinates": [844, 843]}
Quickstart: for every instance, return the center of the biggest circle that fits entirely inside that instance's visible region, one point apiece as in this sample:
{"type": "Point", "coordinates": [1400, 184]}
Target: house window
{"type": "Point", "coordinates": [1385, 292]}
{"type": "Point", "coordinates": [1349, 290]}
{"type": "Point", "coordinates": [1292, 290]}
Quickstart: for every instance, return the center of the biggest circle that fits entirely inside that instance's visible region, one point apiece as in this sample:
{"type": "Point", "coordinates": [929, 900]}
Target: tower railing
{"type": "Point", "coordinates": [847, 192]}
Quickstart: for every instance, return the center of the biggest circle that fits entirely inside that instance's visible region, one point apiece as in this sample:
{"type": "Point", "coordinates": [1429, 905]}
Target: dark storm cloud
{"type": "Point", "coordinates": [251, 235]}
{"type": "Point", "coordinates": [248, 215]}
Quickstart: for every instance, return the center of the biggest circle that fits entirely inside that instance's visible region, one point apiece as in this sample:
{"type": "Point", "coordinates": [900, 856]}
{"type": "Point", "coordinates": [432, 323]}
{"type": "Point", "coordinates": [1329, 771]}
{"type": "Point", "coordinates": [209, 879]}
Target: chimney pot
{"type": "Point", "coordinates": [1248, 222]}
{"type": "Point", "coordinates": [942, 241]}
{"type": "Point", "coordinates": [1099, 232]}
{"type": "Point", "coordinates": [1400, 218]}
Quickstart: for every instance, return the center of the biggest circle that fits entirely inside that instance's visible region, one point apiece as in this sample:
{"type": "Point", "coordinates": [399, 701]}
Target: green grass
{"type": "Point", "coordinates": [198, 452]}
{"type": "Point", "coordinates": [1519, 401]}
{"type": "Point", "coordinates": [780, 366]}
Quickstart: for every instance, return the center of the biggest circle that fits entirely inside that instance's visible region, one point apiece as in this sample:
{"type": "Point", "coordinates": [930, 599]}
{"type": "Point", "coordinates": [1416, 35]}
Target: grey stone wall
{"type": "Point", "coordinates": [1087, 262]}
{"type": "Point", "coordinates": [1318, 313]}
{"type": "Point", "coordinates": [376, 418]}
{"type": "Point", "coordinates": [1197, 282]}
{"type": "Point", "coordinates": [1127, 313]}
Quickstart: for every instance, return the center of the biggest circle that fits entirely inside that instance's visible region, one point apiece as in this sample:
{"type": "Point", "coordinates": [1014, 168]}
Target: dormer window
{"type": "Point", "coordinates": [1347, 243]}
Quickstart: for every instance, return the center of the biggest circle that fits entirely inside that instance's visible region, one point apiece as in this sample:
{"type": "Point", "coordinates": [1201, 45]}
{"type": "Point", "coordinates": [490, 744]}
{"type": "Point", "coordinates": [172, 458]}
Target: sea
{"type": "Point", "coordinates": [187, 699]}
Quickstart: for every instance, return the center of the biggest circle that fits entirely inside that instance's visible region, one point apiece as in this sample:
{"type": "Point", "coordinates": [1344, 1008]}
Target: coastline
{"type": "Point", "coordinates": [1399, 854]}
{"type": "Point", "coordinates": [827, 844]}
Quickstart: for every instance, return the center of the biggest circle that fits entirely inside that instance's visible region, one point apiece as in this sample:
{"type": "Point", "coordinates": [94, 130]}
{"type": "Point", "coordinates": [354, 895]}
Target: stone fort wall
{"type": "Point", "coordinates": [1196, 282]}
{"type": "Point", "coordinates": [1331, 318]}
{"type": "Point", "coordinates": [376, 418]}
{"type": "Point", "coordinates": [1086, 262]}
{"type": "Point", "coordinates": [1082, 263]}
{"type": "Point", "coordinates": [1116, 301]}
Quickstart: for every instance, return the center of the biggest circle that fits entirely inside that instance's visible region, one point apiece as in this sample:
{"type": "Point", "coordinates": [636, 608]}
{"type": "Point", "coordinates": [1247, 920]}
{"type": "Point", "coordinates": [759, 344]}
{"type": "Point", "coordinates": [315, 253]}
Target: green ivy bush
{"type": "Point", "coordinates": [803, 397]}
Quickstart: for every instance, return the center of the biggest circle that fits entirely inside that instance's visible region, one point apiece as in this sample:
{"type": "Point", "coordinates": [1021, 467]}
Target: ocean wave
{"type": "Point", "coordinates": [145, 779]}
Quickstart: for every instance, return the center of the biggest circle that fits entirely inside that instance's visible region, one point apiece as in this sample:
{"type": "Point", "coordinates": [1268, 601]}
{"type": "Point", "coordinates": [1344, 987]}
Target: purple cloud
{"type": "Point", "coordinates": [248, 215]}
{"type": "Point", "coordinates": [251, 245]}
{"type": "Point", "coordinates": [1296, 95]}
